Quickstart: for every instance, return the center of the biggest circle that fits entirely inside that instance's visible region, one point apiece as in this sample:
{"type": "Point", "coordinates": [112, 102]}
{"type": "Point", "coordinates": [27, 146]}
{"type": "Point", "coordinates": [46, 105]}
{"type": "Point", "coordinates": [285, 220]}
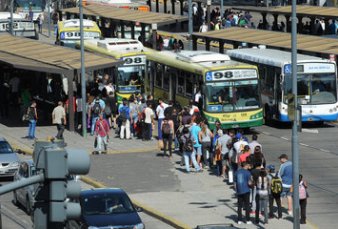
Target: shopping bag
{"type": "Point", "coordinates": [230, 177]}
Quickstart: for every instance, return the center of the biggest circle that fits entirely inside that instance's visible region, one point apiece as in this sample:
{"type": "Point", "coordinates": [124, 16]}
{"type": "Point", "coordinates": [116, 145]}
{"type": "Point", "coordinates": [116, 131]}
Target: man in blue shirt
{"type": "Point", "coordinates": [195, 129]}
{"type": "Point", "coordinates": [285, 173]}
{"type": "Point", "coordinates": [243, 181]}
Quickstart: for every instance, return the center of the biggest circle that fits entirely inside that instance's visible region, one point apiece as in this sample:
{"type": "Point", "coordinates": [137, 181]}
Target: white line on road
{"type": "Point", "coordinates": [302, 144]}
{"type": "Point", "coordinates": [324, 150]}
{"type": "Point", "coordinates": [266, 133]}
{"type": "Point", "coordinates": [312, 131]}
{"type": "Point", "coordinates": [284, 138]}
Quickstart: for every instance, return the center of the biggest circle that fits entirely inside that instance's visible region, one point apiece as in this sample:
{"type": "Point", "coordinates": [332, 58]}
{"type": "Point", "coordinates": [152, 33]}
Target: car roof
{"type": "Point", "coordinates": [95, 191]}
{"type": "Point", "coordinates": [30, 162]}
{"type": "Point", "coordinates": [2, 139]}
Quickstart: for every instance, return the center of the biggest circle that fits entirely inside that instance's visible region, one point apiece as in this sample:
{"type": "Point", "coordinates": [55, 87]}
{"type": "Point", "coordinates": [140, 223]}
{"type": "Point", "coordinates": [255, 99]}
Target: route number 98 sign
{"type": "Point", "coordinates": [134, 60]}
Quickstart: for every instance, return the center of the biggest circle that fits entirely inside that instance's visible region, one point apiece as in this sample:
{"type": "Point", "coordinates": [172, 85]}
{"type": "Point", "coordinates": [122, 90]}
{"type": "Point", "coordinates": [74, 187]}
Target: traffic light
{"type": "Point", "coordinates": [55, 197]}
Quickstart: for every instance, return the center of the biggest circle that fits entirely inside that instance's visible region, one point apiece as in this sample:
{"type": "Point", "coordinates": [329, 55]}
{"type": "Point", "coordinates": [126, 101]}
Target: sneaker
{"type": "Point", "coordinates": [248, 222]}
{"type": "Point", "coordinates": [290, 213]}
{"type": "Point", "coordinates": [240, 222]}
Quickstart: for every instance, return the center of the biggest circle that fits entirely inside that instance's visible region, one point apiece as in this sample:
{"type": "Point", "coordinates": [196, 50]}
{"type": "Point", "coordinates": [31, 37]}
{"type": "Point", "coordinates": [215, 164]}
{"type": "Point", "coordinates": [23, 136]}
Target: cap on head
{"type": "Point", "coordinates": [238, 135]}
{"type": "Point", "coordinates": [283, 156]}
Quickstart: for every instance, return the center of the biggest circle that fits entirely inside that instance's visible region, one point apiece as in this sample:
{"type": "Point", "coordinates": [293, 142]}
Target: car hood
{"type": "Point", "coordinates": [8, 157]}
{"type": "Point", "coordinates": [112, 220]}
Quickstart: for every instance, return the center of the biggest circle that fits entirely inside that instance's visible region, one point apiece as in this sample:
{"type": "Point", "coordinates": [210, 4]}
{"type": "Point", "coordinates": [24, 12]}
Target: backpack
{"type": "Point", "coordinates": [124, 114]}
{"type": "Point", "coordinates": [166, 127]}
{"type": "Point", "coordinates": [96, 108]}
{"type": "Point", "coordinates": [302, 191]}
{"type": "Point", "coordinates": [276, 185]}
{"type": "Point", "coordinates": [188, 146]}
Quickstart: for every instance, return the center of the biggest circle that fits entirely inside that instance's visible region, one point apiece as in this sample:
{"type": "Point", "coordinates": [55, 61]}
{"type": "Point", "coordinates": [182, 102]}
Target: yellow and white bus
{"type": "Point", "coordinates": [68, 31]}
{"type": "Point", "coordinates": [230, 89]}
{"type": "Point", "coordinates": [130, 77]}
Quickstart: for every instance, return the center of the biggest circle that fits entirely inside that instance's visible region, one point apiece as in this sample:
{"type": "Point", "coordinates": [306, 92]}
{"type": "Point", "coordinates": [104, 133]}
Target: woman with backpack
{"type": "Point", "coordinates": [167, 135]}
{"type": "Point", "coordinates": [303, 195]}
{"type": "Point", "coordinates": [275, 190]}
{"type": "Point", "coordinates": [187, 141]}
{"type": "Point", "coordinates": [262, 196]}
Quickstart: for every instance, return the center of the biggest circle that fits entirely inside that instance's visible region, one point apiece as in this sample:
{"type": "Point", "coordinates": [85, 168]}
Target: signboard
{"type": "Point", "coordinates": [234, 74]}
{"type": "Point", "coordinates": [311, 68]}
{"type": "Point", "coordinates": [134, 60]}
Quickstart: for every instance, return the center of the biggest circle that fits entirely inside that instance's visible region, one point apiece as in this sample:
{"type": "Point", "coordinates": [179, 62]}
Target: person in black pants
{"type": "Point", "coordinates": [273, 197]}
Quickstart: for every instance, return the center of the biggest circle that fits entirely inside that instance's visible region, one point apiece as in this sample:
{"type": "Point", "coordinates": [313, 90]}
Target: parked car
{"type": "Point", "coordinates": [9, 160]}
{"type": "Point", "coordinates": [25, 196]}
{"type": "Point", "coordinates": [107, 208]}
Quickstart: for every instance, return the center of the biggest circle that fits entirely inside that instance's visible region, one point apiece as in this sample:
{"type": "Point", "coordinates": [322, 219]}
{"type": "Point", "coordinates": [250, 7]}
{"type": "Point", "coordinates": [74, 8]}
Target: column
{"type": "Point", "coordinates": [194, 42]}
{"type": "Point", "coordinates": [122, 29]}
{"type": "Point", "coordinates": [70, 76]}
{"type": "Point", "coordinates": [165, 6]}
{"type": "Point", "coordinates": [157, 6]}
{"type": "Point", "coordinates": [181, 6]}
{"type": "Point", "coordinates": [173, 6]}
{"type": "Point", "coordinates": [207, 44]}
{"type": "Point", "coordinates": [221, 46]}
{"type": "Point", "coordinates": [132, 30]}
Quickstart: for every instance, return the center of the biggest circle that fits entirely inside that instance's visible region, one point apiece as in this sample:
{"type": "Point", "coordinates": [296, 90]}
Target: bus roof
{"type": "Point", "coordinates": [7, 16]}
{"type": "Point", "coordinates": [272, 57]}
{"type": "Point", "coordinates": [199, 61]}
{"type": "Point", "coordinates": [74, 23]}
{"type": "Point", "coordinates": [115, 47]}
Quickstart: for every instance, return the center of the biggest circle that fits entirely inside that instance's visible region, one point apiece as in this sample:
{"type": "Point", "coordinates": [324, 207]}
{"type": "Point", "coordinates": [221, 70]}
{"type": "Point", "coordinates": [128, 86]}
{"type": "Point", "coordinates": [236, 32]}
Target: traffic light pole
{"type": "Point", "coordinates": [20, 184]}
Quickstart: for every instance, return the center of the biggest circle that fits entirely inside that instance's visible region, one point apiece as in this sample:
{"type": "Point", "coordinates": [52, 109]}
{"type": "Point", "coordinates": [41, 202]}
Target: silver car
{"type": "Point", "coordinates": [25, 196]}
{"type": "Point", "coordinates": [9, 160]}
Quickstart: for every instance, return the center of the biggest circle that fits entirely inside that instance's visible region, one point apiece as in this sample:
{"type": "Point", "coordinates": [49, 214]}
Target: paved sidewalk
{"type": "Point", "coordinates": [201, 199]}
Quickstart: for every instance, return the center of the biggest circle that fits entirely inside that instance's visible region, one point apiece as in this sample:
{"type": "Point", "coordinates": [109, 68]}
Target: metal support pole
{"type": "Point", "coordinates": [208, 13]}
{"type": "Point", "coordinates": [22, 183]}
{"type": "Point", "coordinates": [12, 21]}
{"type": "Point", "coordinates": [154, 30]}
{"type": "Point", "coordinates": [83, 75]}
{"type": "Point", "coordinates": [222, 9]}
{"type": "Point", "coordinates": [190, 21]}
{"type": "Point", "coordinates": [295, 149]}
{"type": "Point", "coordinates": [49, 24]}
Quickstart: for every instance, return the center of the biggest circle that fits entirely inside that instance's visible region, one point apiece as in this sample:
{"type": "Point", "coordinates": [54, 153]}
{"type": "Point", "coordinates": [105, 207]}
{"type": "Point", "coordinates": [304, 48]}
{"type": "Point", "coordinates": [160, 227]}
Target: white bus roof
{"type": "Point", "coordinates": [76, 23]}
{"type": "Point", "coordinates": [272, 57]}
{"type": "Point", "coordinates": [117, 44]}
{"type": "Point", "coordinates": [201, 57]}
{"type": "Point", "coordinates": [7, 15]}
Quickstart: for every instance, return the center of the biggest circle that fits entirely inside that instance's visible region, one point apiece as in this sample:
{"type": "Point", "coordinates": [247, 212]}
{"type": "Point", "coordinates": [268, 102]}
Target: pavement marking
{"type": "Point", "coordinates": [311, 131]}
{"type": "Point", "coordinates": [302, 144]}
{"type": "Point", "coordinates": [150, 211]}
{"type": "Point", "coordinates": [284, 138]}
{"type": "Point", "coordinates": [324, 150]}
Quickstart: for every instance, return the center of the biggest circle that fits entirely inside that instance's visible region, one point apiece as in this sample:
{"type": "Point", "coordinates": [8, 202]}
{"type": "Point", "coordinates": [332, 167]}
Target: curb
{"type": "Point", "coordinates": [150, 211]}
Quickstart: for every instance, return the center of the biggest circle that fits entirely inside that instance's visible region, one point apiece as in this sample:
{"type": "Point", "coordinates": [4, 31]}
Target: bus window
{"type": "Point", "coordinates": [189, 84]}
{"type": "Point", "coordinates": [269, 80]}
{"type": "Point", "coordinates": [166, 78]}
{"type": "Point", "coordinates": [180, 84]}
{"type": "Point", "coordinates": [158, 80]}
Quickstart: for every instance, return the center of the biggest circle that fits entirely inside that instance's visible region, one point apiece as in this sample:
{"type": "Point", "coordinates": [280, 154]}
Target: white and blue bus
{"type": "Point", "coordinates": [316, 83]}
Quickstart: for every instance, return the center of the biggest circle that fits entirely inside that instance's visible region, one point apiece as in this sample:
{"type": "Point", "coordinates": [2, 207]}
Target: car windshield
{"type": "Point", "coordinates": [313, 89]}
{"type": "Point", "coordinates": [5, 148]}
{"type": "Point", "coordinates": [106, 204]}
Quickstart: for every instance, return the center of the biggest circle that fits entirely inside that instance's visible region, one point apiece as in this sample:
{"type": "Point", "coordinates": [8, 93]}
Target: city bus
{"type": "Point", "coordinates": [68, 31]}
{"type": "Point", "coordinates": [129, 78]}
{"type": "Point", "coordinates": [229, 89]}
{"type": "Point", "coordinates": [22, 7]}
{"type": "Point", "coordinates": [21, 26]}
{"type": "Point", "coordinates": [316, 83]}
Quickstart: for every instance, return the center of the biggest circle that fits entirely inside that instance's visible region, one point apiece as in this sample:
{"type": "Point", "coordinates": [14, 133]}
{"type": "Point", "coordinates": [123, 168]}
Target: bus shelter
{"type": "Point", "coordinates": [303, 11]}
{"type": "Point", "coordinates": [31, 55]}
{"type": "Point", "coordinates": [119, 17]}
{"type": "Point", "coordinates": [237, 36]}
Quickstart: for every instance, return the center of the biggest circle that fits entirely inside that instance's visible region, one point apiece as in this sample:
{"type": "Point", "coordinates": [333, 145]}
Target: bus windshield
{"type": "Point", "coordinates": [130, 79]}
{"type": "Point", "coordinates": [35, 4]}
{"type": "Point", "coordinates": [318, 88]}
{"type": "Point", "coordinates": [232, 96]}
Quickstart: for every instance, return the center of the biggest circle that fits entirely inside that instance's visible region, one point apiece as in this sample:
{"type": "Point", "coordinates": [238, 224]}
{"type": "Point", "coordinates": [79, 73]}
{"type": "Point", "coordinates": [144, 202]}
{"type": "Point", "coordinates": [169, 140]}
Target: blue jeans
{"type": "Point", "coordinates": [192, 156]}
{"type": "Point", "coordinates": [31, 128]}
{"type": "Point", "coordinates": [198, 150]}
{"type": "Point", "coordinates": [159, 130]}
{"type": "Point", "coordinates": [94, 119]}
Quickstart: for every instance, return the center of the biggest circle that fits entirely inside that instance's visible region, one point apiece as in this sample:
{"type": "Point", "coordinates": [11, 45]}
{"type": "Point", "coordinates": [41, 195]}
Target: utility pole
{"type": "Point", "coordinates": [49, 5]}
{"type": "Point", "coordinates": [12, 21]}
{"type": "Point", "coordinates": [190, 21]}
{"type": "Point", "coordinates": [297, 119]}
{"type": "Point", "coordinates": [83, 75]}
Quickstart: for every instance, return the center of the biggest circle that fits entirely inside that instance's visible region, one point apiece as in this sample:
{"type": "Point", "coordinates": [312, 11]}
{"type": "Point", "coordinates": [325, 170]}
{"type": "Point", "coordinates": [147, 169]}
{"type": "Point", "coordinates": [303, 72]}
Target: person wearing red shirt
{"type": "Point", "coordinates": [244, 156]}
{"type": "Point", "coordinates": [101, 134]}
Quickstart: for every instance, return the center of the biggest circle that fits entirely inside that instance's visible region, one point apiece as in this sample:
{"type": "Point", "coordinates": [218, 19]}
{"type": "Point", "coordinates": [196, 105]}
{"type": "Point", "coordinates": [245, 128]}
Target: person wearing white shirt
{"type": "Point", "coordinates": [254, 143]}
{"type": "Point", "coordinates": [160, 115]}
